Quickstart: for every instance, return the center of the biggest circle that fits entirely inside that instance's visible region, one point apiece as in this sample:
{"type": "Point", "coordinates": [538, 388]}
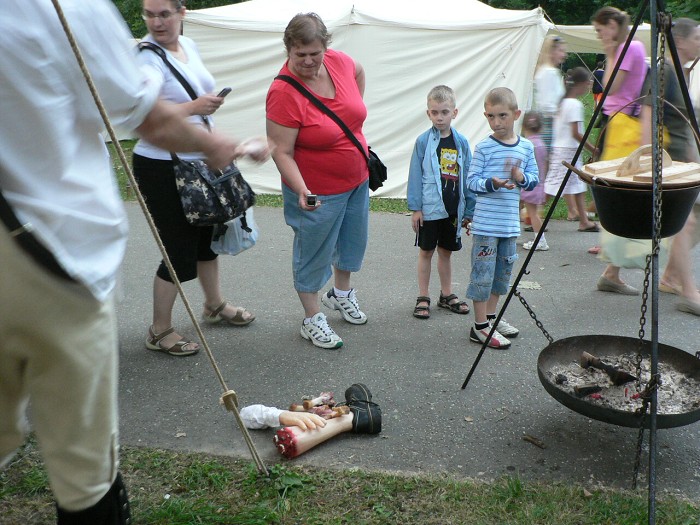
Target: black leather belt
{"type": "Point", "coordinates": [22, 235]}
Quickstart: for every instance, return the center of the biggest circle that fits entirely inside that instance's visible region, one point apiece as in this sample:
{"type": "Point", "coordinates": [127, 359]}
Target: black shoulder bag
{"type": "Point", "coordinates": [377, 169]}
{"type": "Point", "coordinates": [208, 197]}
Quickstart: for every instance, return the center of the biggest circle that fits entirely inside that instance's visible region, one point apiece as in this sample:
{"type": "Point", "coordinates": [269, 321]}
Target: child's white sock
{"type": "Point", "coordinates": [341, 293]}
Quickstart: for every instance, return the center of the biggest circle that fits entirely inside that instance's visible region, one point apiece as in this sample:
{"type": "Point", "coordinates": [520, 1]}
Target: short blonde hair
{"type": "Point", "coordinates": [501, 95]}
{"type": "Point", "coordinates": [443, 94]}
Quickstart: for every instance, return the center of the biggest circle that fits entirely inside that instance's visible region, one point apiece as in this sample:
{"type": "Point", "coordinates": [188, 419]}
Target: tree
{"type": "Point", "coordinates": [576, 12]}
{"type": "Point", "coordinates": [131, 11]}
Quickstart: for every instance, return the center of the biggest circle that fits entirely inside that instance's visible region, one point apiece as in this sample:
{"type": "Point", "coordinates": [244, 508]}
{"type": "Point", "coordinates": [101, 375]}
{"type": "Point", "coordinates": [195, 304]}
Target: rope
{"type": "Point", "coordinates": [228, 398]}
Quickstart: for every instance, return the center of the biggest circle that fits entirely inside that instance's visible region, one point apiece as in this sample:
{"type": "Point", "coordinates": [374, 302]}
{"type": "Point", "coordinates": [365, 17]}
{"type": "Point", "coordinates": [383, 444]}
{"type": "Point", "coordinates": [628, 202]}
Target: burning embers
{"type": "Point", "coordinates": [610, 382]}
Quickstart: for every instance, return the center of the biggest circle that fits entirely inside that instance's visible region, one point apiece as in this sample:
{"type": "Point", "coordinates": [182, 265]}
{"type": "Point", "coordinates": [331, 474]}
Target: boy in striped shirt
{"type": "Point", "coordinates": [503, 164]}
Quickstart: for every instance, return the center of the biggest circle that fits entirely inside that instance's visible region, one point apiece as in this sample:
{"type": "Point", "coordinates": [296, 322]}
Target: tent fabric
{"type": "Point", "coordinates": [405, 47]}
{"type": "Point", "coordinates": [582, 39]}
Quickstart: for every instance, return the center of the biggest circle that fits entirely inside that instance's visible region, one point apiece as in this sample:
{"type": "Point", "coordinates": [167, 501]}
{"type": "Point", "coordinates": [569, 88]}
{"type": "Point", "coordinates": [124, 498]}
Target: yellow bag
{"type": "Point", "coordinates": [623, 135]}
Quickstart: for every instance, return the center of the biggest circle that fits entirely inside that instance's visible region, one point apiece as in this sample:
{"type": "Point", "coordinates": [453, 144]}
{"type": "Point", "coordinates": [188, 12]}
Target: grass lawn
{"type": "Point", "coordinates": [172, 488]}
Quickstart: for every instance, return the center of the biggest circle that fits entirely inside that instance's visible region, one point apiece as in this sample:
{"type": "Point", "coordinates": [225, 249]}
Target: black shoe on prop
{"type": "Point", "coordinates": [357, 392]}
{"type": "Point", "coordinates": [367, 416]}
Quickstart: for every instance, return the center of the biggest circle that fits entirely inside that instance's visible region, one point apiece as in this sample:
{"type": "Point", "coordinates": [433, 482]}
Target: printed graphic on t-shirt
{"type": "Point", "coordinates": [448, 163]}
{"type": "Point", "coordinates": [449, 173]}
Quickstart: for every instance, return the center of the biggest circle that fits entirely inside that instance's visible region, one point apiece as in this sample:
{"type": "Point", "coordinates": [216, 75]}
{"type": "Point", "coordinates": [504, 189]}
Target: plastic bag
{"type": "Point", "coordinates": [629, 253]}
{"type": "Point", "coordinates": [236, 235]}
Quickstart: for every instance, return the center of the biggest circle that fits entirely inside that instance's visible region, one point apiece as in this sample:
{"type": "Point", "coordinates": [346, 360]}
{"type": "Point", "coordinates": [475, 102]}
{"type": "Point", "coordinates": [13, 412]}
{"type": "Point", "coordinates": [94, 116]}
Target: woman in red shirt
{"type": "Point", "coordinates": [315, 157]}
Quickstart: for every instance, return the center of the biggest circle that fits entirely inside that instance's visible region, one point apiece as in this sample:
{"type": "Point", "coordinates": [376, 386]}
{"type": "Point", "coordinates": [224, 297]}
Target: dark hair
{"type": "Point", "coordinates": [304, 29]}
{"type": "Point", "coordinates": [605, 15]}
{"type": "Point", "coordinates": [575, 77]}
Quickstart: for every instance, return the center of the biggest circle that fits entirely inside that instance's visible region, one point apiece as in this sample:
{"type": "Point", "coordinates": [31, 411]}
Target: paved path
{"type": "Point", "coordinates": [414, 368]}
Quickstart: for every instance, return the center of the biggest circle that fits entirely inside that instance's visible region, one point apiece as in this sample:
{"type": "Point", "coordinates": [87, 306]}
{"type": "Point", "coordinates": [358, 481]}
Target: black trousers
{"type": "Point", "coordinates": [185, 244]}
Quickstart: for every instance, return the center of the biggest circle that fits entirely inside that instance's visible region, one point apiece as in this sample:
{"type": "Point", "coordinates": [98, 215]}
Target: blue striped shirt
{"type": "Point", "coordinates": [497, 212]}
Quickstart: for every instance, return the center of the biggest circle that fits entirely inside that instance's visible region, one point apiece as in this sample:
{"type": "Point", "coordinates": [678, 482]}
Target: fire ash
{"type": "Point", "coordinates": [677, 394]}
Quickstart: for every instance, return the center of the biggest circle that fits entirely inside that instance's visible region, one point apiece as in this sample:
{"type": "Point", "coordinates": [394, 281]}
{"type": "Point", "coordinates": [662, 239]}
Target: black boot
{"type": "Point", "coordinates": [368, 415]}
{"type": "Point", "coordinates": [112, 509]}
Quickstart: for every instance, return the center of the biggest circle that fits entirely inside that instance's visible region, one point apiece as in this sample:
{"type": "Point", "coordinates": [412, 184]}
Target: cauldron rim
{"type": "Point", "coordinates": [607, 414]}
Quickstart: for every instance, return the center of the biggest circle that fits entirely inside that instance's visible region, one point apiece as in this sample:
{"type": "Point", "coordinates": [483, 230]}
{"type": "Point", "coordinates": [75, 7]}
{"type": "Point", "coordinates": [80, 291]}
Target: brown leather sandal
{"type": "Point", "coordinates": [180, 349]}
{"type": "Point", "coordinates": [238, 319]}
{"type": "Point", "coordinates": [422, 312]}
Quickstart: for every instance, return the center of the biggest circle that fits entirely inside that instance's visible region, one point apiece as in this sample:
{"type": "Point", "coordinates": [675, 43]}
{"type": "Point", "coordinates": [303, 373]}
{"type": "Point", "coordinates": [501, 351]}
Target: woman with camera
{"type": "Point", "coordinates": [324, 175]}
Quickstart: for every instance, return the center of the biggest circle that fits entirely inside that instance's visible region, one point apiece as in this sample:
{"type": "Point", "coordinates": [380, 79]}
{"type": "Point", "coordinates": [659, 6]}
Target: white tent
{"type": "Point", "coordinates": [582, 39]}
{"type": "Point", "coordinates": [406, 48]}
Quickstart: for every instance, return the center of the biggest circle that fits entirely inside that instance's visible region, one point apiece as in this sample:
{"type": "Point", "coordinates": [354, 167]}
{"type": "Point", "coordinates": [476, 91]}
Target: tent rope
{"type": "Point", "coordinates": [228, 398]}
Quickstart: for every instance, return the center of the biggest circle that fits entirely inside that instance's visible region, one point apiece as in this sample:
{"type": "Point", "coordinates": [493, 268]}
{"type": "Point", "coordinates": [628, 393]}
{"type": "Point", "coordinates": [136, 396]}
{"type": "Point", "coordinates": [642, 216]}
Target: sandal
{"type": "Point", "coordinates": [181, 348]}
{"type": "Point", "coordinates": [453, 303]}
{"type": "Point", "coordinates": [239, 319]}
{"type": "Point", "coordinates": [422, 312]}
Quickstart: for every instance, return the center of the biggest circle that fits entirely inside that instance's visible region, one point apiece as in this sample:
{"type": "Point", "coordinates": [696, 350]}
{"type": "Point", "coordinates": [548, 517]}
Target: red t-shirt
{"type": "Point", "coordinates": [328, 161]}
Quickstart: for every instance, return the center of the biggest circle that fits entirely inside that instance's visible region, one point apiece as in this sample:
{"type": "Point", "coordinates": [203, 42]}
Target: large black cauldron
{"type": "Point", "coordinates": [625, 209]}
{"type": "Point", "coordinates": [627, 212]}
{"type": "Point", "coordinates": [568, 350]}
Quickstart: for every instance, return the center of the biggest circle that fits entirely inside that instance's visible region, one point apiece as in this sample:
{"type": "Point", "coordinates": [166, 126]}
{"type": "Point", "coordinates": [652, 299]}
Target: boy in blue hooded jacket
{"type": "Point", "coordinates": [438, 196]}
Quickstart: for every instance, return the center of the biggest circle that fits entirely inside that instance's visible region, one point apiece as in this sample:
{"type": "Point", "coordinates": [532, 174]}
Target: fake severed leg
{"type": "Point", "coordinates": [293, 441]}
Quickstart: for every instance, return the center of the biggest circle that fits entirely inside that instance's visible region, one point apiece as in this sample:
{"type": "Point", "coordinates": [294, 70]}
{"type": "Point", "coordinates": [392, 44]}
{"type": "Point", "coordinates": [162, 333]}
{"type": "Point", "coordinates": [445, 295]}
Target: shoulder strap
{"type": "Point", "coordinates": [325, 109]}
{"type": "Point", "coordinates": [180, 78]}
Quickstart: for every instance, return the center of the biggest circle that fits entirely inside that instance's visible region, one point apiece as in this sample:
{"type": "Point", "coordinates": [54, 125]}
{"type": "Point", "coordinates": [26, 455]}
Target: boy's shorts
{"type": "Point", "coordinates": [442, 233]}
{"type": "Point", "coordinates": [492, 266]}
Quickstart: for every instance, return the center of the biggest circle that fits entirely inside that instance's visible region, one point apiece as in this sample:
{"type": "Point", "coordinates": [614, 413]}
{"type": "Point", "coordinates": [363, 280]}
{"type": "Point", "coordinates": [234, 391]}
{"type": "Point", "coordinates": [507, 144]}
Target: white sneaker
{"type": "Point", "coordinates": [507, 329]}
{"type": "Point", "coordinates": [497, 340]}
{"type": "Point", "coordinates": [542, 246]}
{"type": "Point", "coordinates": [347, 306]}
{"type": "Point", "coordinates": [319, 333]}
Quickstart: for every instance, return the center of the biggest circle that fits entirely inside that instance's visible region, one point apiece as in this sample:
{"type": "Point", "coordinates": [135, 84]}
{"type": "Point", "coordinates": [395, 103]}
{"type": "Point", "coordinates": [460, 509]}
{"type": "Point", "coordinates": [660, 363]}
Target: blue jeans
{"type": "Point", "coordinates": [334, 234]}
{"type": "Point", "coordinates": [492, 266]}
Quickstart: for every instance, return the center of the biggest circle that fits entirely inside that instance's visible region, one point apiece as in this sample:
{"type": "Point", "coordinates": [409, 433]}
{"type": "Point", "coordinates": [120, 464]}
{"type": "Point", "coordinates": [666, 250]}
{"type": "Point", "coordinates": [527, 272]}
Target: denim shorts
{"type": "Point", "coordinates": [334, 234]}
{"type": "Point", "coordinates": [492, 265]}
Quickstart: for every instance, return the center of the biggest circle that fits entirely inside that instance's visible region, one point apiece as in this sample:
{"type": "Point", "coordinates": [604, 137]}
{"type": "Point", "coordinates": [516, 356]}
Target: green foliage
{"type": "Point", "coordinates": [131, 11]}
{"type": "Point", "coordinates": [575, 12]}
{"type": "Point", "coordinates": [685, 8]}
{"type": "Point", "coordinates": [567, 12]}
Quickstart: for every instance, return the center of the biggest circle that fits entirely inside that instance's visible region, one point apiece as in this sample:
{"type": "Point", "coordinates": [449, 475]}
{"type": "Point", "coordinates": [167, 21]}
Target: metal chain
{"type": "Point", "coordinates": [532, 314]}
{"type": "Point", "coordinates": [664, 21]}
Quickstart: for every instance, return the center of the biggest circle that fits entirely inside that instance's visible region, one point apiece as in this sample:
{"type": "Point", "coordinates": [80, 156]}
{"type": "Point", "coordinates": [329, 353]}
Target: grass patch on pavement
{"type": "Point", "coordinates": [376, 204]}
{"type": "Point", "coordinates": [176, 488]}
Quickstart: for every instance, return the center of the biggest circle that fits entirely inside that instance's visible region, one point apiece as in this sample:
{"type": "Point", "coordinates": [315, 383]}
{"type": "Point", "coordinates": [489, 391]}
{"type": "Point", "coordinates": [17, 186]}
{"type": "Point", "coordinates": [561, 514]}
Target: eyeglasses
{"type": "Point", "coordinates": [163, 15]}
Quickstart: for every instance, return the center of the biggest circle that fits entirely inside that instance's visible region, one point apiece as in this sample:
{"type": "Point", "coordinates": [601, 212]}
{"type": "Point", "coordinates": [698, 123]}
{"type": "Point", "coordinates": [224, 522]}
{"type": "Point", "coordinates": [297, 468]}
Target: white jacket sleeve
{"type": "Point", "coordinates": [260, 416]}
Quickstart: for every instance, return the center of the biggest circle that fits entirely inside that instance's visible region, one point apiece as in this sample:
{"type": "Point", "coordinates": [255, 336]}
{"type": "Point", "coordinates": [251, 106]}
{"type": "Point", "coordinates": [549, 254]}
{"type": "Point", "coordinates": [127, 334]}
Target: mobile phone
{"type": "Point", "coordinates": [311, 199]}
{"type": "Point", "coordinates": [224, 92]}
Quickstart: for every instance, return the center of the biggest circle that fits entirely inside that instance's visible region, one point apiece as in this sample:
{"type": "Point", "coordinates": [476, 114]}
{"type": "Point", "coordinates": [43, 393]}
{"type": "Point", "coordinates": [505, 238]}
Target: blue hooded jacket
{"type": "Point", "coordinates": [424, 190]}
